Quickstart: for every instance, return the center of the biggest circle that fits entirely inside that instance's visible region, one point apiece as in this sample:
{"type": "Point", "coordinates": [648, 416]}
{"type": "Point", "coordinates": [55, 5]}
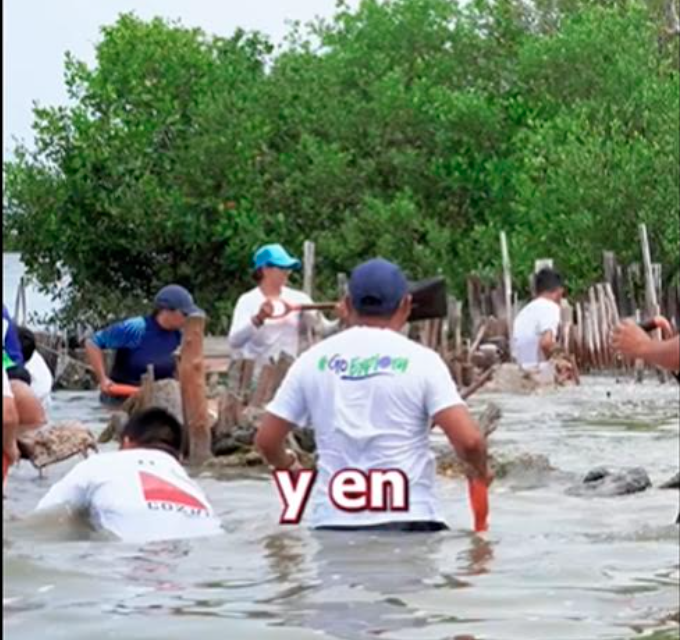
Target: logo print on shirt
{"type": "Point", "coordinates": [161, 492]}
{"type": "Point", "coordinates": [363, 368]}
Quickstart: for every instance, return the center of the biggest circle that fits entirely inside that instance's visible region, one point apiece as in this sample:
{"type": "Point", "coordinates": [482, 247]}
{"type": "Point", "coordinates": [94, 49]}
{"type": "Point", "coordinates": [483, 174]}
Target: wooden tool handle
{"type": "Point", "coordinates": [318, 306]}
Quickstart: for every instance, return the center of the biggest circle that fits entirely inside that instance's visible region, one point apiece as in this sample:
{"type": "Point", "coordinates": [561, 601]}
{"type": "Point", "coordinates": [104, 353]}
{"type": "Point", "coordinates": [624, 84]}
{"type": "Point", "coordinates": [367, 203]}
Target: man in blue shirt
{"type": "Point", "coordinates": [143, 341]}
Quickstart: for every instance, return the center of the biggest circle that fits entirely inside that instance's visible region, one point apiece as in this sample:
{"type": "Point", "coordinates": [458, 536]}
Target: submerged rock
{"type": "Point", "coordinates": [605, 483]}
{"type": "Point", "coordinates": [673, 483]}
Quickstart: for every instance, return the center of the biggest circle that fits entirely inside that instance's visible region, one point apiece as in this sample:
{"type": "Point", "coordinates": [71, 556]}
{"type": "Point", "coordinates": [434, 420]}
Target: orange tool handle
{"type": "Point", "coordinates": [121, 390]}
{"type": "Point", "coordinates": [479, 502]}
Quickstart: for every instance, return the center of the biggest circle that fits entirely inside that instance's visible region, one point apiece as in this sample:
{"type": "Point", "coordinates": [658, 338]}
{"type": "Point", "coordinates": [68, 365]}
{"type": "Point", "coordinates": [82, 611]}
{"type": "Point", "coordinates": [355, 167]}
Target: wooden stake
{"type": "Point", "coordinates": [507, 284]}
{"type": "Point", "coordinates": [308, 264]}
{"type": "Point", "coordinates": [651, 302]}
{"type": "Point", "coordinates": [192, 382]}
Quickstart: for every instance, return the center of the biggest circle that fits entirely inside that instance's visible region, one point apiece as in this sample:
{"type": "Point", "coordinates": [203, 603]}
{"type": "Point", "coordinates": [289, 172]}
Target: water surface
{"type": "Point", "coordinates": [552, 566]}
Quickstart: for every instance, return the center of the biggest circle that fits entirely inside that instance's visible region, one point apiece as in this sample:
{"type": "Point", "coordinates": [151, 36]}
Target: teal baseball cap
{"type": "Point", "coordinates": [274, 255]}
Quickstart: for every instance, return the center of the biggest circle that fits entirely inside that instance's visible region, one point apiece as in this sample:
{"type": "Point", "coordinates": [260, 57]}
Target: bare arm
{"type": "Point", "coordinates": [547, 343]}
{"type": "Point", "coordinates": [30, 411]}
{"type": "Point", "coordinates": [95, 357]}
{"type": "Point", "coordinates": [271, 442]}
{"type": "Point", "coordinates": [466, 438]}
{"type": "Point", "coordinates": [10, 426]}
{"type": "Point", "coordinates": [631, 341]}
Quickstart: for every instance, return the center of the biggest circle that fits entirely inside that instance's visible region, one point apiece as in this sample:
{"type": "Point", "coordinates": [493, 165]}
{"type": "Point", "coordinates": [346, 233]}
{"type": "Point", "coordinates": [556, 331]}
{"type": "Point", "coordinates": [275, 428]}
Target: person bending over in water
{"type": "Point", "coordinates": [371, 395]}
{"type": "Point", "coordinates": [141, 492]}
{"type": "Point", "coordinates": [143, 341]}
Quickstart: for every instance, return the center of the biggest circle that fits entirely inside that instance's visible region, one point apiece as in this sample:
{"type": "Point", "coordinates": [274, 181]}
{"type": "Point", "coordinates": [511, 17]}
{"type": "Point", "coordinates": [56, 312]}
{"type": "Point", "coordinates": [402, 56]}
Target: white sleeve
{"type": "Point", "coordinates": [242, 328]}
{"type": "Point", "coordinates": [549, 319]}
{"type": "Point", "coordinates": [290, 403]}
{"type": "Point", "coordinates": [71, 491]}
{"type": "Point", "coordinates": [440, 389]}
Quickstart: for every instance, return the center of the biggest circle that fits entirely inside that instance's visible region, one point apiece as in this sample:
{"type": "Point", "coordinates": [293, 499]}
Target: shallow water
{"type": "Point", "coordinates": [552, 566]}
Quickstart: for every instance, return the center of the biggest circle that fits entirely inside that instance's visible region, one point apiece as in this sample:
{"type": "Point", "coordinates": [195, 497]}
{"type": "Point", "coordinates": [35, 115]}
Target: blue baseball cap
{"type": "Point", "coordinates": [377, 287]}
{"type": "Point", "coordinates": [174, 297]}
{"type": "Point", "coordinates": [274, 255]}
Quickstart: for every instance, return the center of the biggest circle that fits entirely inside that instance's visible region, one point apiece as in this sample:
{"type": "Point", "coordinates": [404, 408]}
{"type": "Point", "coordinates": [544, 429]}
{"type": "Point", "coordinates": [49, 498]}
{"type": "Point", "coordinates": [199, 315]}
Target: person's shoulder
{"type": "Point", "coordinates": [250, 296]}
{"type": "Point", "coordinates": [97, 464]}
{"type": "Point", "coordinates": [295, 295]}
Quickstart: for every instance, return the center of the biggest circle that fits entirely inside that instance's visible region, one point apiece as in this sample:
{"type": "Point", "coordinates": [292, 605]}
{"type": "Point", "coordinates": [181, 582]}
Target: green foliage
{"type": "Point", "coordinates": [412, 129]}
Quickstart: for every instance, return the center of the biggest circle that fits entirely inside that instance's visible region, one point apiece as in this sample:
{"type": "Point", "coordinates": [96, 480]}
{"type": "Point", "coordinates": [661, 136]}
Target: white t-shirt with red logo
{"type": "Point", "coordinates": [370, 395]}
{"type": "Point", "coordinates": [138, 495]}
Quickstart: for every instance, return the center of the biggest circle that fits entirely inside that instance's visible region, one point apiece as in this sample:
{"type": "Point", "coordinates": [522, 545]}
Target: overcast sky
{"type": "Point", "coordinates": [37, 33]}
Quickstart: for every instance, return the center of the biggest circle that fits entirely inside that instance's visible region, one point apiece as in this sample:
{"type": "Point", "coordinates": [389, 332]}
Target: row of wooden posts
{"type": "Point", "coordinates": [587, 323]}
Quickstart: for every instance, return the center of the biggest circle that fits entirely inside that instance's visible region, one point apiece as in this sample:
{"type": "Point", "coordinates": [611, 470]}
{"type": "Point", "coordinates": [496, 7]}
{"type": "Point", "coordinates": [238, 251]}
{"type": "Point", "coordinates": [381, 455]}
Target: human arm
{"type": "Point", "coordinates": [271, 442]}
{"type": "Point", "coordinates": [10, 421]}
{"type": "Point", "coordinates": [631, 341]}
{"type": "Point", "coordinates": [95, 357]}
{"type": "Point", "coordinates": [287, 410]}
{"type": "Point", "coordinates": [71, 491]}
{"type": "Point", "coordinates": [247, 322]}
{"type": "Point", "coordinates": [30, 410]}
{"type": "Point", "coordinates": [449, 412]}
{"type": "Point", "coordinates": [127, 334]}
{"type": "Point", "coordinates": [466, 439]}
{"type": "Point", "coordinates": [547, 343]}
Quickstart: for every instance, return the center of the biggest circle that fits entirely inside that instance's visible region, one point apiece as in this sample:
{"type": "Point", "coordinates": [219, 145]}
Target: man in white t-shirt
{"type": "Point", "coordinates": [371, 395]}
{"type": "Point", "coordinates": [534, 335]}
{"type": "Point", "coordinates": [140, 493]}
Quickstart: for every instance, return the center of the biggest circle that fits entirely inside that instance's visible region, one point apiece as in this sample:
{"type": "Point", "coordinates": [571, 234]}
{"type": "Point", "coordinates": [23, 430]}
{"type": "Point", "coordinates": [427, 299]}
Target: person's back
{"type": "Point", "coordinates": [536, 325]}
{"type": "Point", "coordinates": [370, 393]}
{"type": "Point", "coordinates": [371, 397]}
{"type": "Point", "coordinates": [539, 316]}
{"type": "Point", "coordinates": [140, 493]}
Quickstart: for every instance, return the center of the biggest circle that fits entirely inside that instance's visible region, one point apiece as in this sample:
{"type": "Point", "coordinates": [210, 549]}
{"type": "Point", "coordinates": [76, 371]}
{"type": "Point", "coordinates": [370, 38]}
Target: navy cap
{"type": "Point", "coordinates": [173, 297]}
{"type": "Point", "coordinates": [377, 287]}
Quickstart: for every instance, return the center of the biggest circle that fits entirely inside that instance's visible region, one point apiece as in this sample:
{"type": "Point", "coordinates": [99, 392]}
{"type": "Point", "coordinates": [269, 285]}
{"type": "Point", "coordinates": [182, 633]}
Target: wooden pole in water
{"type": "Point", "coordinates": [651, 302]}
{"type": "Point", "coordinates": [309, 250]}
{"type": "Point", "coordinates": [192, 382]}
{"type": "Point", "coordinates": [507, 285]}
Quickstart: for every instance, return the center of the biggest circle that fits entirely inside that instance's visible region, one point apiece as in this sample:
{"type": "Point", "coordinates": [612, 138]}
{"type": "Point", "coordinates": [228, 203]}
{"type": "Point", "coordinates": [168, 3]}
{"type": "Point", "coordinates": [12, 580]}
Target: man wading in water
{"type": "Point", "coordinates": [371, 396]}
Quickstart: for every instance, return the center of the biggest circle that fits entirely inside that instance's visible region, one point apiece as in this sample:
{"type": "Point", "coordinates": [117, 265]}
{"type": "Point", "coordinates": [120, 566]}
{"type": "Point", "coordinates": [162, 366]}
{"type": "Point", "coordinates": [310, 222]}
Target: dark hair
{"type": "Point", "coordinates": [258, 275]}
{"type": "Point", "coordinates": [27, 341]}
{"type": "Point", "coordinates": [155, 428]}
{"type": "Point", "coordinates": [547, 280]}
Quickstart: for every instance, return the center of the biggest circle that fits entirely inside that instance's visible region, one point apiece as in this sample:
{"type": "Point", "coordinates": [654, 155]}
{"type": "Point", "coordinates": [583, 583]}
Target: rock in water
{"type": "Point", "coordinates": [673, 483]}
{"type": "Point", "coordinates": [57, 443]}
{"type": "Point", "coordinates": [605, 483]}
